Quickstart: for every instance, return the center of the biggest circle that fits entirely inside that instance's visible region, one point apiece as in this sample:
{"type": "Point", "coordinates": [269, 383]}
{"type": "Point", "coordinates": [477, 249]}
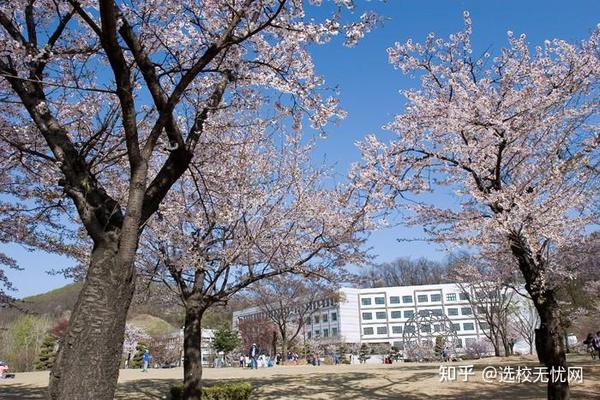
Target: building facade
{"type": "Point", "coordinates": [380, 315]}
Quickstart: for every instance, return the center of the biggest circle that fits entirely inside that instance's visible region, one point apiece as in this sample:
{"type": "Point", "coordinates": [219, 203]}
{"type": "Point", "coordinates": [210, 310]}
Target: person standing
{"type": "Point", "coordinates": [596, 344]}
{"type": "Point", "coordinates": [242, 361]}
{"type": "Point", "coordinates": [147, 358]}
{"type": "Point", "coordinates": [253, 354]}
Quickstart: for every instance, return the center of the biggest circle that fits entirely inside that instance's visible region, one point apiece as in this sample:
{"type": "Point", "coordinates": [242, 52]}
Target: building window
{"type": "Point", "coordinates": [394, 299]}
{"type": "Point", "coordinates": [456, 327]}
{"type": "Point", "coordinates": [436, 297]}
{"type": "Point", "coordinates": [422, 298]}
{"type": "Point", "coordinates": [484, 325]}
{"type": "Point", "coordinates": [380, 315]}
{"type": "Point", "coordinates": [368, 331]}
{"type": "Point", "coordinates": [459, 344]}
{"type": "Point", "coordinates": [451, 297]}
{"type": "Point", "coordinates": [437, 312]}
{"type": "Point", "coordinates": [481, 309]}
{"type": "Point", "coordinates": [409, 329]}
{"type": "Point", "coordinates": [325, 332]}
{"type": "Point", "coordinates": [463, 296]}
{"type": "Point", "coordinates": [397, 329]}
{"type": "Point", "coordinates": [308, 335]}
{"type": "Point", "coordinates": [452, 311]}
{"type": "Point", "coordinates": [469, 341]}
{"type": "Point", "coordinates": [365, 301]}
{"type": "Point", "coordinates": [409, 314]}
{"type": "Point", "coordinates": [333, 331]}
{"type": "Point", "coordinates": [316, 319]}
{"type": "Point", "coordinates": [437, 328]}
{"type": "Point", "coordinates": [367, 315]}
{"type": "Point", "coordinates": [425, 328]}
{"type": "Point", "coordinates": [308, 321]}
{"type": "Point", "coordinates": [382, 330]}
{"type": "Point", "coordinates": [317, 333]}
{"type": "Point", "coordinates": [396, 314]}
{"type": "Point", "coordinates": [424, 313]}
{"type": "Point", "coordinates": [334, 316]}
{"type": "Point", "coordinates": [466, 311]}
{"type": "Point", "coordinates": [469, 326]}
{"type": "Point", "coordinates": [407, 299]}
{"type": "Point", "coordinates": [379, 300]}
{"type": "Point", "coordinates": [324, 318]}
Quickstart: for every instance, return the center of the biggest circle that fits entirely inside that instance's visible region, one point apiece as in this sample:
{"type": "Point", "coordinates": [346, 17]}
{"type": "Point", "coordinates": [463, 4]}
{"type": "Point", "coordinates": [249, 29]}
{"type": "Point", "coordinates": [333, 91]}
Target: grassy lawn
{"type": "Point", "coordinates": [408, 381]}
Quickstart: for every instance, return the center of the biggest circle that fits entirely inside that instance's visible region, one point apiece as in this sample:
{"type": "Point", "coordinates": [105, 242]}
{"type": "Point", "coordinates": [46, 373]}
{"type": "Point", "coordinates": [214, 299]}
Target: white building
{"type": "Point", "coordinates": [379, 315]}
{"type": "Point", "coordinates": [206, 346]}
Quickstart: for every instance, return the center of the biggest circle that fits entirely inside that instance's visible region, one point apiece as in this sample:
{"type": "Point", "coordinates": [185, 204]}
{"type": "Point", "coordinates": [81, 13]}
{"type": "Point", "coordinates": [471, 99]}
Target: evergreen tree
{"type": "Point", "coordinates": [138, 359]}
{"type": "Point", "coordinates": [225, 340]}
{"type": "Point", "coordinates": [363, 353]}
{"type": "Point", "coordinates": [47, 354]}
{"type": "Point", "coordinates": [439, 345]}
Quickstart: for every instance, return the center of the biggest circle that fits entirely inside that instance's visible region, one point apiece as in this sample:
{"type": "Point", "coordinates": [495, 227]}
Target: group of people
{"type": "Point", "coordinates": [292, 357]}
{"type": "Point", "coordinates": [593, 344]}
{"type": "Point", "coordinates": [3, 370]}
{"type": "Point", "coordinates": [255, 359]}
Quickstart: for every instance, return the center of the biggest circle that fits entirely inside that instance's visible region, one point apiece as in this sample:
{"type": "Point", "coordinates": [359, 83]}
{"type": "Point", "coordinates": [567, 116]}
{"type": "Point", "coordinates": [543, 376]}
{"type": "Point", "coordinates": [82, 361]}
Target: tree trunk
{"type": "Point", "coordinates": [192, 350]}
{"type": "Point", "coordinates": [506, 346]}
{"type": "Point", "coordinates": [530, 348]}
{"type": "Point", "coordinates": [495, 344]}
{"type": "Point", "coordinates": [548, 338]}
{"type": "Point", "coordinates": [567, 348]}
{"type": "Point", "coordinates": [87, 364]}
{"type": "Point", "coordinates": [284, 348]}
{"type": "Point", "coordinates": [549, 346]}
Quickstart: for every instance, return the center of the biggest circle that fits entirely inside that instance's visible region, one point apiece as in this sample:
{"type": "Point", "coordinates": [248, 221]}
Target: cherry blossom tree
{"type": "Point", "coordinates": [250, 208]}
{"type": "Point", "coordinates": [133, 335]}
{"type": "Point", "coordinates": [488, 286]}
{"type": "Point", "coordinates": [104, 104]}
{"type": "Point", "coordinates": [261, 332]}
{"type": "Point", "coordinates": [512, 141]}
{"type": "Point", "coordinates": [524, 322]}
{"type": "Point", "coordinates": [288, 301]}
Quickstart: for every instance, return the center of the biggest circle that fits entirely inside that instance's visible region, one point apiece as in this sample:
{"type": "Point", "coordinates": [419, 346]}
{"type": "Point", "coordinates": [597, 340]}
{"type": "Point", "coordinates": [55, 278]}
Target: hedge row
{"type": "Point", "coordinates": [221, 391]}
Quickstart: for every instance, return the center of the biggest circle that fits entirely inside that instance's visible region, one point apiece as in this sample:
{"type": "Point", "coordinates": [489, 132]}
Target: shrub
{"type": "Point", "coordinates": [221, 391]}
{"type": "Point", "coordinates": [477, 349]}
{"type": "Point", "coordinates": [47, 354]}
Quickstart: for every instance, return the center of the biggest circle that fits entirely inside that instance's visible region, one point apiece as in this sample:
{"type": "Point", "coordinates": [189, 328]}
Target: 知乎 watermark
{"type": "Point", "coordinates": [510, 374]}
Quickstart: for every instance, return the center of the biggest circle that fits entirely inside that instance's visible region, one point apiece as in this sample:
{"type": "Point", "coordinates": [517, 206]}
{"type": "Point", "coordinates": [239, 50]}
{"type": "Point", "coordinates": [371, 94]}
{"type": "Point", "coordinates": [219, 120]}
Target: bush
{"type": "Point", "coordinates": [222, 391]}
{"type": "Point", "coordinates": [477, 349]}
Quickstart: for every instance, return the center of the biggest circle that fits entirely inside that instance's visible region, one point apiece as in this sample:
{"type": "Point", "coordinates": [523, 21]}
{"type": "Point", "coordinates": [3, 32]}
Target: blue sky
{"type": "Point", "coordinates": [369, 91]}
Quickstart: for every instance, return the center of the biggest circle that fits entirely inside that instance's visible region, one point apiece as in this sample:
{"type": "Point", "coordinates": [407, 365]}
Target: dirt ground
{"type": "Point", "coordinates": [407, 381]}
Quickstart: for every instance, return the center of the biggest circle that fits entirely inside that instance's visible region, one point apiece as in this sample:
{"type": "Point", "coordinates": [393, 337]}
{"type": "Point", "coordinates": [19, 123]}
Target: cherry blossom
{"type": "Point", "coordinates": [104, 106]}
{"type": "Point", "coordinates": [514, 138]}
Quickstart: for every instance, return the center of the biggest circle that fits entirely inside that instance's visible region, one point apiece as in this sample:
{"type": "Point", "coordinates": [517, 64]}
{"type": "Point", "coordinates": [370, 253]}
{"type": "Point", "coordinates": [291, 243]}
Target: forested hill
{"type": "Point", "coordinates": [155, 312]}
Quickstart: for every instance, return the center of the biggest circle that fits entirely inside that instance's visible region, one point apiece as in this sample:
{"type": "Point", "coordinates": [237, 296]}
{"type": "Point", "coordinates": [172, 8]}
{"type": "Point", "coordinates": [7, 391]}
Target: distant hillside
{"type": "Point", "coordinates": [54, 302]}
{"type": "Point", "coordinates": [152, 325]}
{"type": "Point", "coordinates": [155, 312]}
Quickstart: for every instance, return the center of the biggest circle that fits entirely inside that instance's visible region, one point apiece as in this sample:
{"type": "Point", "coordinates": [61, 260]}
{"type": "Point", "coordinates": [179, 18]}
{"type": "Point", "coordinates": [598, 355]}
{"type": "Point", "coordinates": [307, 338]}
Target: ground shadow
{"type": "Point", "coordinates": [21, 392]}
{"type": "Point", "coordinates": [398, 381]}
